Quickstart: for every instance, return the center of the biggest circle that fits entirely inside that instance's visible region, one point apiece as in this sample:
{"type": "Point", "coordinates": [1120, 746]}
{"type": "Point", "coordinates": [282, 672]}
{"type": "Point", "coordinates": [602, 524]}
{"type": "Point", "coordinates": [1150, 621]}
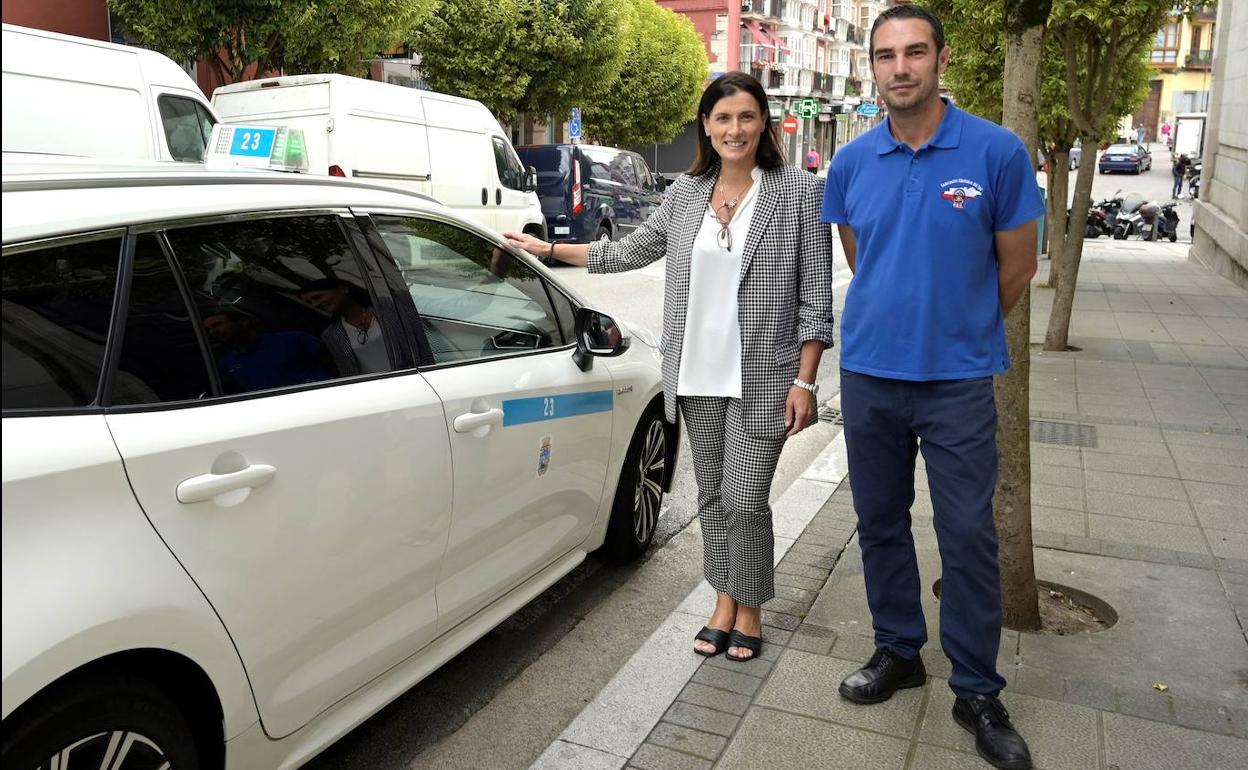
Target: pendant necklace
{"type": "Point", "coordinates": [724, 237]}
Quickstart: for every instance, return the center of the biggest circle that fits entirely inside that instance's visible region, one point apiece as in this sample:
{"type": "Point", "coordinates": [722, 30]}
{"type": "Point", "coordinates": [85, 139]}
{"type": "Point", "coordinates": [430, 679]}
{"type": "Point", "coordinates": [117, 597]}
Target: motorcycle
{"type": "Point", "coordinates": [1193, 180]}
{"type": "Point", "coordinates": [1152, 221]}
{"type": "Point", "coordinates": [1129, 219]}
{"type": "Point", "coordinates": [1101, 217]}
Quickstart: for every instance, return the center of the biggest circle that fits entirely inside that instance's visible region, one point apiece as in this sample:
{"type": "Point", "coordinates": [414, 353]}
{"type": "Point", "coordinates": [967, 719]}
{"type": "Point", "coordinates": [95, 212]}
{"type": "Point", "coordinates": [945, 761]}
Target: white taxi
{"type": "Point", "coordinates": [276, 447]}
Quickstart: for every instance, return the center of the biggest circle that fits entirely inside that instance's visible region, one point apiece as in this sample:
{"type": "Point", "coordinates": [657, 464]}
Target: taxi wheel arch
{"type": "Point", "coordinates": [150, 690]}
{"type": "Point", "coordinates": [646, 474]}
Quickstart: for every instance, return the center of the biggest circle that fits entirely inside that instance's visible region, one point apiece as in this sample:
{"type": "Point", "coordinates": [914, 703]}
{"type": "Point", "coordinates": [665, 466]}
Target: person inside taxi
{"type": "Point", "coordinates": [353, 337]}
{"type": "Point", "coordinates": [747, 315]}
{"type": "Point", "coordinates": [255, 360]}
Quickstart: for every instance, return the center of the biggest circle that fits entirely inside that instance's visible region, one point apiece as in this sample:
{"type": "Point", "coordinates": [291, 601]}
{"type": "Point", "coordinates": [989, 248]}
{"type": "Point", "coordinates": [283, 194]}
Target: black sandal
{"type": "Point", "coordinates": [713, 636]}
{"type": "Point", "coordinates": [752, 643]}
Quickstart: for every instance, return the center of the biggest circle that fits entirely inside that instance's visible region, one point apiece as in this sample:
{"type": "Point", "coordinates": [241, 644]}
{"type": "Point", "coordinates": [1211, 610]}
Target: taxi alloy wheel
{"type": "Point", "coordinates": [648, 495]}
{"type": "Point", "coordinates": [639, 493]}
{"type": "Point", "coordinates": [114, 721]}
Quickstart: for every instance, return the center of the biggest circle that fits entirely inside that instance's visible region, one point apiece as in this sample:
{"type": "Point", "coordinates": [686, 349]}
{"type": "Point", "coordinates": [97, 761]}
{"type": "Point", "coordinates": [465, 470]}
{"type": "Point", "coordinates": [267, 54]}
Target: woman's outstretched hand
{"type": "Point", "coordinates": [534, 246]}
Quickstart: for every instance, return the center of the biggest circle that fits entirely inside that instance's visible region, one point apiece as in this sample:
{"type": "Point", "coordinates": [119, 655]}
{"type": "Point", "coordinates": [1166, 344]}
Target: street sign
{"type": "Point", "coordinates": [574, 125]}
{"type": "Point", "coordinates": [867, 110]}
{"type": "Point", "coordinates": [808, 108]}
{"type": "Point", "coordinates": [789, 124]}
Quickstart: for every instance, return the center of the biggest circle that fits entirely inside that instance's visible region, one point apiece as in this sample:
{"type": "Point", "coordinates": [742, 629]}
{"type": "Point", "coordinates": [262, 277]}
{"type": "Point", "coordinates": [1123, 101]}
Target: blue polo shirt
{"type": "Point", "coordinates": [924, 301]}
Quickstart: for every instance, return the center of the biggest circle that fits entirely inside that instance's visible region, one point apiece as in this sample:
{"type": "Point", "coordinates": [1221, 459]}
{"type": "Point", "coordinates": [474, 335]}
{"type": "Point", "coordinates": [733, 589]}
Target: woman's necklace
{"type": "Point", "coordinates": [724, 236]}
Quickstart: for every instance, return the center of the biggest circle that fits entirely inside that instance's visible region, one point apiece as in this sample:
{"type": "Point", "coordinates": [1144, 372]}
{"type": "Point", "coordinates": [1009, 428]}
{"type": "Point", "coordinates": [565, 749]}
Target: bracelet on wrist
{"type": "Point", "coordinates": [551, 253]}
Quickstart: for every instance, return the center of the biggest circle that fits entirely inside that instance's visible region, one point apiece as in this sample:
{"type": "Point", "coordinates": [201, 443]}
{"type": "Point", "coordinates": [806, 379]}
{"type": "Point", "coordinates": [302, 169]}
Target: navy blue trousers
{"type": "Point", "coordinates": [954, 424]}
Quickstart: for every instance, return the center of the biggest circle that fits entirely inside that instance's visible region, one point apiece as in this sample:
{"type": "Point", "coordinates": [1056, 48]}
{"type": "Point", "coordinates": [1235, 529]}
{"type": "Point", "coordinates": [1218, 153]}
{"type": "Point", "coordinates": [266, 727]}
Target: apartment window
{"type": "Point", "coordinates": [1166, 45]}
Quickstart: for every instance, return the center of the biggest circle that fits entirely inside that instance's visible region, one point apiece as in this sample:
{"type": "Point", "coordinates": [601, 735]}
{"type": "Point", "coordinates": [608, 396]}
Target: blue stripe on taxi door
{"type": "Point", "coordinates": [519, 411]}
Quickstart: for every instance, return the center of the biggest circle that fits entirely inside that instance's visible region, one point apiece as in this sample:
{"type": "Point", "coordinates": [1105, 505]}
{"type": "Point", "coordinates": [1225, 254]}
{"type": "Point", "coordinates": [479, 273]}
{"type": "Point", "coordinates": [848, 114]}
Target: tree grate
{"type": "Point", "coordinates": [830, 414]}
{"type": "Point", "coordinates": [1063, 433]}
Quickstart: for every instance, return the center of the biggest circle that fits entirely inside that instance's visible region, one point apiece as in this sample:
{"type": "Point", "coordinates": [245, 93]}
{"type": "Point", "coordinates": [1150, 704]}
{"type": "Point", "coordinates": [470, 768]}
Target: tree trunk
{"type": "Point", "coordinates": [1059, 185]}
{"type": "Point", "coordinates": [1057, 335]}
{"type": "Point", "coordinates": [1011, 502]}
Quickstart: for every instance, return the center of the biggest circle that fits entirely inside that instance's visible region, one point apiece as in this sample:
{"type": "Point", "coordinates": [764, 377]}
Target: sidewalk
{"type": "Point", "coordinates": [1140, 498]}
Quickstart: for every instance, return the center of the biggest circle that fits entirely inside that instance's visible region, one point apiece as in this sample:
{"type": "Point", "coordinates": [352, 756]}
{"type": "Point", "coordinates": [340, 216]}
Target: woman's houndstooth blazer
{"type": "Point", "coordinates": [785, 291]}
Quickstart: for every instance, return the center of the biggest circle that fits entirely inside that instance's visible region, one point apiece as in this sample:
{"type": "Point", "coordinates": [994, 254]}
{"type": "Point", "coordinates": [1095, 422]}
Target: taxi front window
{"type": "Point", "coordinates": [475, 300]}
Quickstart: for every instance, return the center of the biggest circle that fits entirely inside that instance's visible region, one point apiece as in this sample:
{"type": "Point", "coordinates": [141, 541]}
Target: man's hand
{"type": "Point", "coordinates": [798, 409]}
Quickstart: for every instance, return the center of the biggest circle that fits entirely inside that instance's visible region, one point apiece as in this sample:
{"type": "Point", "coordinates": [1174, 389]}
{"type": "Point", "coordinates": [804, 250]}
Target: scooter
{"type": "Point", "coordinates": [1156, 221]}
{"type": "Point", "coordinates": [1101, 217]}
{"type": "Point", "coordinates": [1193, 180]}
{"type": "Point", "coordinates": [1128, 221]}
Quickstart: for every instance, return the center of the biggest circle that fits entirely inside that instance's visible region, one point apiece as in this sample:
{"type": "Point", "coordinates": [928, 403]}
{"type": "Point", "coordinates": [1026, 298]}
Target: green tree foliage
{"type": "Point", "coordinates": [572, 48]}
{"type": "Point", "coordinates": [657, 92]}
{"type": "Point", "coordinates": [514, 56]}
{"type": "Point", "coordinates": [471, 48]}
{"type": "Point", "coordinates": [293, 36]}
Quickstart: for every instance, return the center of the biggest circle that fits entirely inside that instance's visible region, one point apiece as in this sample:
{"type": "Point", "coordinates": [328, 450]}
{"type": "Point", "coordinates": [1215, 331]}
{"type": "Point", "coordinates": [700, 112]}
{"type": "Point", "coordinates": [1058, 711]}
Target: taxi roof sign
{"type": "Point", "coordinates": [273, 148]}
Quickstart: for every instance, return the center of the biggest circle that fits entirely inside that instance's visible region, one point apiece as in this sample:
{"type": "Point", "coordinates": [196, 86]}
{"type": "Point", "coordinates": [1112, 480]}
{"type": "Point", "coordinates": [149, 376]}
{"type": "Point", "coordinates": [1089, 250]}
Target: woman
{"type": "Point", "coordinates": [353, 338]}
{"type": "Point", "coordinates": [747, 314]}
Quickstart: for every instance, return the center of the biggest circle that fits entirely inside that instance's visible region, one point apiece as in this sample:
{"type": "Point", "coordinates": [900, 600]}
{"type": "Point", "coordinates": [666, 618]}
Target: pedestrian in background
{"type": "Point", "coordinates": [812, 161]}
{"type": "Point", "coordinates": [1179, 171]}
{"type": "Point", "coordinates": [923, 334]}
{"type": "Point", "coordinates": [747, 313]}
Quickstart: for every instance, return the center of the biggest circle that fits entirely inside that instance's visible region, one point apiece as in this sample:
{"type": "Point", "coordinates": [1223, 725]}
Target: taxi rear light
{"type": "Point", "coordinates": [337, 171]}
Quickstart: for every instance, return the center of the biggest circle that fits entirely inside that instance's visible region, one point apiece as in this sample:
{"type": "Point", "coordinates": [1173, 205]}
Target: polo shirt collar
{"type": "Point", "coordinates": [947, 136]}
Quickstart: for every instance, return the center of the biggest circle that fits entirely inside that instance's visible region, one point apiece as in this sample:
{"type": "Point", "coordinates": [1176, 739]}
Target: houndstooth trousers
{"type": "Point", "coordinates": [734, 472]}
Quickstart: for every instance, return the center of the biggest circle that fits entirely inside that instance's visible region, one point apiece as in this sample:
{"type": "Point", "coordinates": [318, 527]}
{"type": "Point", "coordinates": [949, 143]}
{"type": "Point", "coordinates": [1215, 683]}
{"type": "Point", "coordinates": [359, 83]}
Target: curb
{"type": "Point", "coordinates": [613, 726]}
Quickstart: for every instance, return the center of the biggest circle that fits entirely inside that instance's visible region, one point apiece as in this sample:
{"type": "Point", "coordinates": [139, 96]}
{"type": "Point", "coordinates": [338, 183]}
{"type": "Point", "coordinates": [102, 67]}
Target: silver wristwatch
{"type": "Point", "coordinates": [810, 386]}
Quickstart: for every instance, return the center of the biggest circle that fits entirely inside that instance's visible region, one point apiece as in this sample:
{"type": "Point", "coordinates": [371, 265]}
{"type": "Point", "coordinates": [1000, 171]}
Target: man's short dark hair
{"type": "Point", "coordinates": [909, 12]}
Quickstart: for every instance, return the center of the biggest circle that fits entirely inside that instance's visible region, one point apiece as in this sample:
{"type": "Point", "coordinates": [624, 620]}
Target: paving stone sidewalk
{"type": "Point", "coordinates": [1140, 494]}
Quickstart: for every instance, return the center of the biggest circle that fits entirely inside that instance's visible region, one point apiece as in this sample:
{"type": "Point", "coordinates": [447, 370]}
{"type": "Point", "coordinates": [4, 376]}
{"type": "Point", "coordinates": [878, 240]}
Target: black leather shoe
{"type": "Point", "coordinates": [996, 740]}
{"type": "Point", "coordinates": [884, 674]}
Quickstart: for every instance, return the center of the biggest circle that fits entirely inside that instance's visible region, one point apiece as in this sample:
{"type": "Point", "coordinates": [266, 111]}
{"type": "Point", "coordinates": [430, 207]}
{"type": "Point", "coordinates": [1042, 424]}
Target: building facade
{"type": "Point", "coordinates": [812, 51]}
{"type": "Point", "coordinates": [1182, 61]}
{"type": "Point", "coordinates": [1220, 237]}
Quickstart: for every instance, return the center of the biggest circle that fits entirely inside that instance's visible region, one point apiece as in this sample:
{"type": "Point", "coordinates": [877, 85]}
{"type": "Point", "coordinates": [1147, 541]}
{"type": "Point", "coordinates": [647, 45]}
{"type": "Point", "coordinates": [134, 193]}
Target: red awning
{"type": "Point", "coordinates": [760, 37]}
{"type": "Point", "coordinates": [779, 40]}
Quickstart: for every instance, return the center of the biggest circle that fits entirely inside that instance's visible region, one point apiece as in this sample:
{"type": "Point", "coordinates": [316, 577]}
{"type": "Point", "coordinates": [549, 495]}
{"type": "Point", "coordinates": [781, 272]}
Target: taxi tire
{"type": "Point", "coordinates": [77, 708]}
{"type": "Point", "coordinates": [627, 541]}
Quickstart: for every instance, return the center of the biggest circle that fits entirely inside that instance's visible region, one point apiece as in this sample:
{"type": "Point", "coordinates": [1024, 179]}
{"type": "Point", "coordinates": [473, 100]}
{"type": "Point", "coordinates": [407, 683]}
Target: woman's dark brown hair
{"type": "Point", "coordinates": [769, 154]}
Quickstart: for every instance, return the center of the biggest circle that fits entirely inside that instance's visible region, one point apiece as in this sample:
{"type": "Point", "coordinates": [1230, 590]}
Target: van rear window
{"type": "Point", "coordinates": [553, 166]}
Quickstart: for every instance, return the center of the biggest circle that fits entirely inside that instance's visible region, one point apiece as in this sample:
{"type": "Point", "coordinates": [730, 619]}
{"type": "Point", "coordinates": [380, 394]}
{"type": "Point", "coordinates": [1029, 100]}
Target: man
{"type": "Point", "coordinates": [812, 161]}
{"type": "Point", "coordinates": [936, 211]}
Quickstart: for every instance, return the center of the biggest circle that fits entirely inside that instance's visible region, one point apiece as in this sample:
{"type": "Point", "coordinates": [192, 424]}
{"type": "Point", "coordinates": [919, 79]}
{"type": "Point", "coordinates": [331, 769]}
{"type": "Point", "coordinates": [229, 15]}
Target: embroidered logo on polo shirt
{"type": "Point", "coordinates": [960, 192]}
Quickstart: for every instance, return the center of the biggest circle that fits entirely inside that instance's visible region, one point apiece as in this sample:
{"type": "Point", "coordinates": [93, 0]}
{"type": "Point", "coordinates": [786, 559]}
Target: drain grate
{"type": "Point", "coordinates": [1063, 433]}
{"type": "Point", "coordinates": [830, 414]}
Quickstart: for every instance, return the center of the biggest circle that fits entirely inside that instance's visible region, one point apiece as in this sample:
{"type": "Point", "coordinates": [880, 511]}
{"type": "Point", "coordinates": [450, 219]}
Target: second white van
{"type": "Point", "coordinates": [72, 96]}
{"type": "Point", "coordinates": [450, 148]}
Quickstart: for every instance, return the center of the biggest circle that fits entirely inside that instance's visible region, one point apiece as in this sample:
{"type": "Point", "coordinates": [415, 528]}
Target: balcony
{"type": "Point", "coordinates": [1200, 60]}
{"type": "Point", "coordinates": [1205, 13]}
{"type": "Point", "coordinates": [770, 78]}
{"type": "Point", "coordinates": [763, 9]}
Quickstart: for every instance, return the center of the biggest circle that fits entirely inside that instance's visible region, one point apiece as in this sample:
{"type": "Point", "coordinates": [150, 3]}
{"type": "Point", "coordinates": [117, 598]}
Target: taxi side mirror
{"type": "Point", "coordinates": [597, 334]}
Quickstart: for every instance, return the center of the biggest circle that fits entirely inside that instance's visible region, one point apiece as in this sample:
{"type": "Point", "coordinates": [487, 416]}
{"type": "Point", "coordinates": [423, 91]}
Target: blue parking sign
{"type": "Point", "coordinates": [574, 125]}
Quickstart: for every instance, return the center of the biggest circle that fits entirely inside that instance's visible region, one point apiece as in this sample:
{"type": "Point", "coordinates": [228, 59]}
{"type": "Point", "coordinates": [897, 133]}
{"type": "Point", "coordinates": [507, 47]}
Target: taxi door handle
{"type": "Point", "coordinates": [200, 488]}
{"type": "Point", "coordinates": [471, 421]}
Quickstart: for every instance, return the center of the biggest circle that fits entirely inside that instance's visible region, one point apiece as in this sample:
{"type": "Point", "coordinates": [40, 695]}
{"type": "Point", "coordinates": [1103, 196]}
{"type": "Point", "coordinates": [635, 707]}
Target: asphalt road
{"type": "Point", "coordinates": [501, 701]}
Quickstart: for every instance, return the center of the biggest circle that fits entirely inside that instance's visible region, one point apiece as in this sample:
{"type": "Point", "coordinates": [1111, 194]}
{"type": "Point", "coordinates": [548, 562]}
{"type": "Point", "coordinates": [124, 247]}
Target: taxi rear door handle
{"type": "Point", "coordinates": [471, 421]}
{"type": "Point", "coordinates": [197, 489]}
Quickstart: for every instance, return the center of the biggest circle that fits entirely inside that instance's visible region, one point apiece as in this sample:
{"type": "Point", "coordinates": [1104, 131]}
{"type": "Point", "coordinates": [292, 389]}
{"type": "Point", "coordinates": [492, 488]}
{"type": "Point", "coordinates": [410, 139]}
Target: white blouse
{"type": "Point", "coordinates": [710, 358]}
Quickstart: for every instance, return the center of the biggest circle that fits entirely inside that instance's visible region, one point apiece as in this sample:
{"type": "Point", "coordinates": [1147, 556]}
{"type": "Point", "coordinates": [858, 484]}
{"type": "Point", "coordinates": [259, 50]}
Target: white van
{"type": "Point", "coordinates": [450, 148]}
{"type": "Point", "coordinates": [73, 96]}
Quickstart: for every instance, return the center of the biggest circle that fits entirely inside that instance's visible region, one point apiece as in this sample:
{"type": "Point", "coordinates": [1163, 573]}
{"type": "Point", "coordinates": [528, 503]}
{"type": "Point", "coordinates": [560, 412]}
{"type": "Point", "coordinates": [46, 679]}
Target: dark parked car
{"type": "Point", "coordinates": [1125, 157]}
{"type": "Point", "coordinates": [588, 192]}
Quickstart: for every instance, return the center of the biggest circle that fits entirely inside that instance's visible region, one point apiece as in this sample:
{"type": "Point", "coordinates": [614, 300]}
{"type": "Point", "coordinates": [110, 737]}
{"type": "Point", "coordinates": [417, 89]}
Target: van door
{"type": "Point", "coordinates": [462, 172]}
{"type": "Point", "coordinates": [390, 149]}
{"type": "Point", "coordinates": [515, 208]}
